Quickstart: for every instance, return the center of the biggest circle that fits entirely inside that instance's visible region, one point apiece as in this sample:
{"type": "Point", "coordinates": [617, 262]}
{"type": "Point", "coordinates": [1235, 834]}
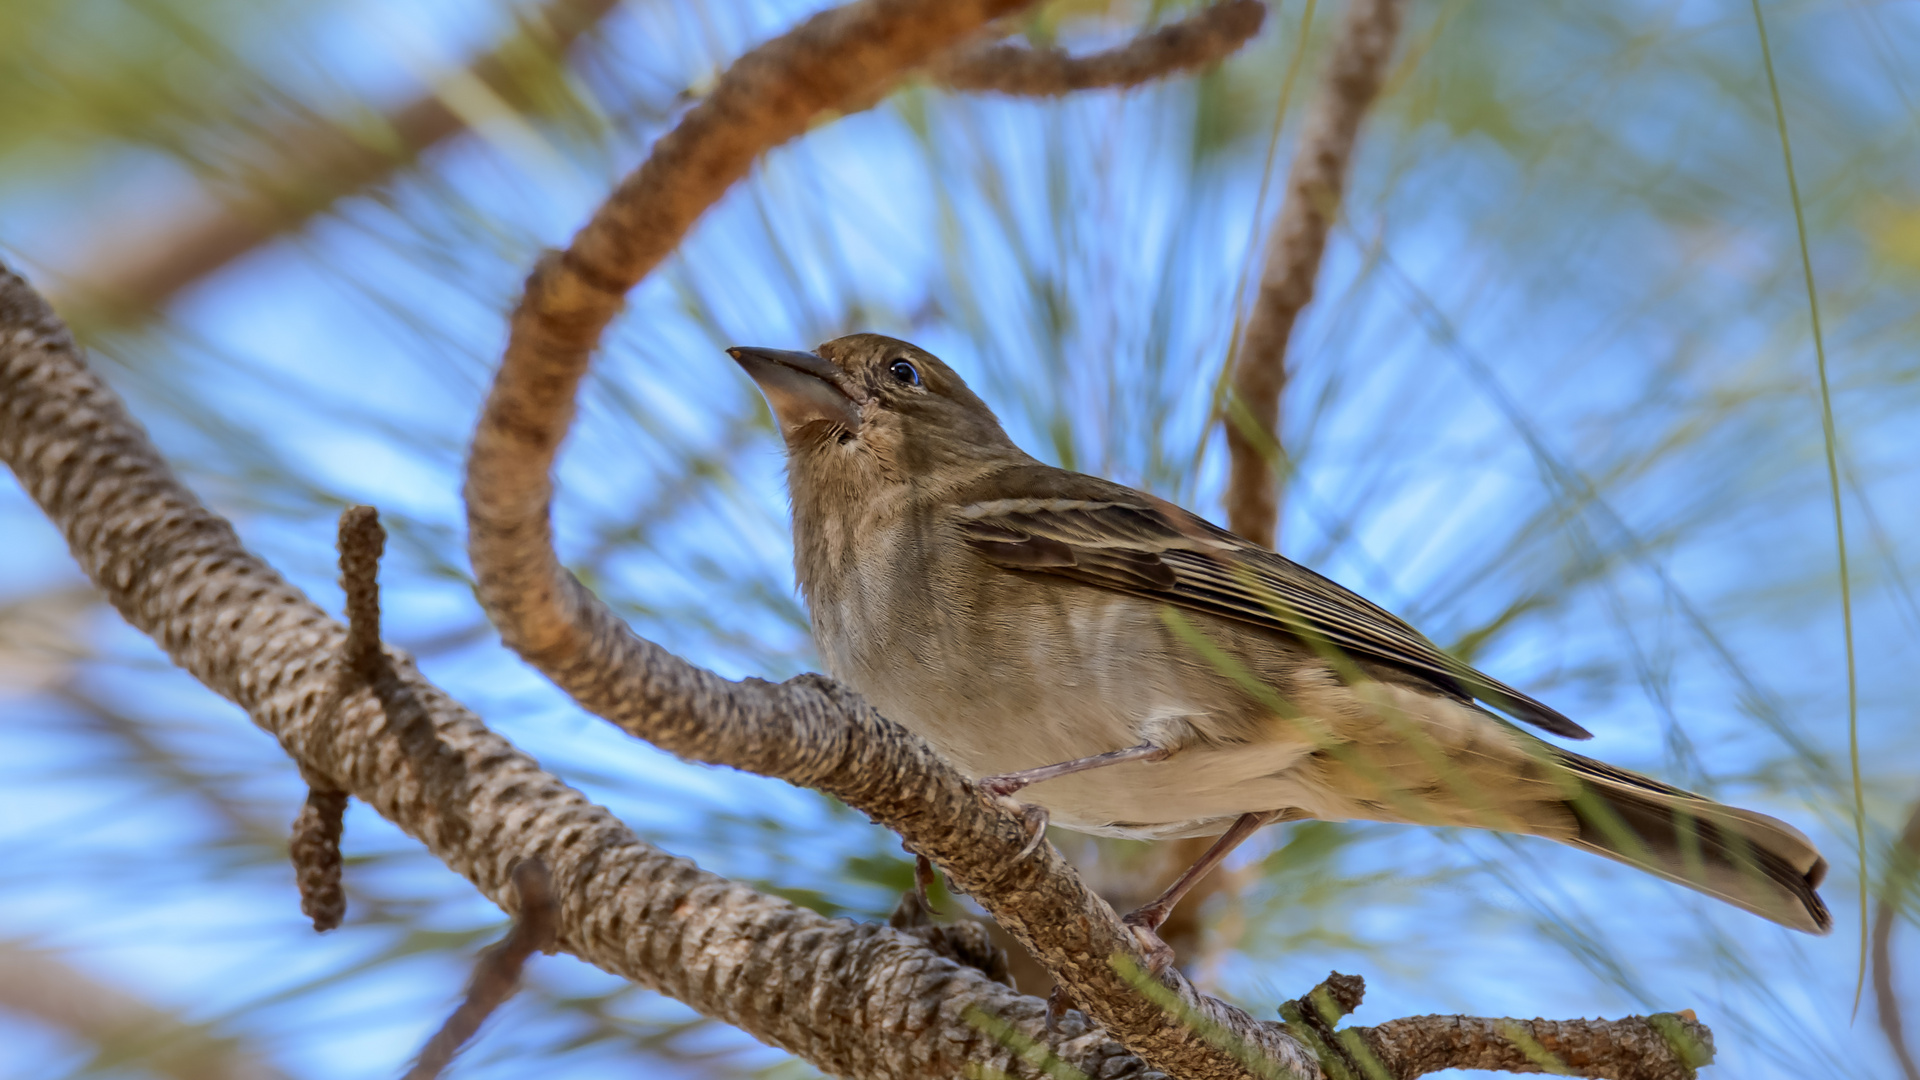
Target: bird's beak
{"type": "Point", "coordinates": [801, 387]}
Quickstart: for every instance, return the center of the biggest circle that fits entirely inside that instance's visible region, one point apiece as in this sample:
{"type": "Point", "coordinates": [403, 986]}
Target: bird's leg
{"type": "Point", "coordinates": [915, 909]}
{"type": "Point", "coordinates": [923, 872]}
{"type": "Point", "coordinates": [1008, 783]}
{"type": "Point", "coordinates": [1059, 1003]}
{"type": "Point", "coordinates": [1146, 920]}
{"type": "Point", "coordinates": [1005, 784]}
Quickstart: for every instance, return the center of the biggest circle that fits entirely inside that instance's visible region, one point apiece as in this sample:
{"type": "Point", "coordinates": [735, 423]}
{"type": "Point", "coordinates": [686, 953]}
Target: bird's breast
{"type": "Point", "coordinates": [1002, 671]}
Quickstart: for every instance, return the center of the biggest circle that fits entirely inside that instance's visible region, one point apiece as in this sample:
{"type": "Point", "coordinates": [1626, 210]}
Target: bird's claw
{"type": "Point", "coordinates": [1036, 819]}
{"type": "Point", "coordinates": [1145, 929]}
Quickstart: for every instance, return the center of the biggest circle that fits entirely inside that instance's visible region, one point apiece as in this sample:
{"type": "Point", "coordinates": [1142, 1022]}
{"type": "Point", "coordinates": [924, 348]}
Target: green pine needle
{"type": "Point", "coordinates": [1833, 481]}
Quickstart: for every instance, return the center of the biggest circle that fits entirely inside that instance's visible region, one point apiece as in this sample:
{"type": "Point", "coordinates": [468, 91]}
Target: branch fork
{"type": "Point", "coordinates": [785, 975]}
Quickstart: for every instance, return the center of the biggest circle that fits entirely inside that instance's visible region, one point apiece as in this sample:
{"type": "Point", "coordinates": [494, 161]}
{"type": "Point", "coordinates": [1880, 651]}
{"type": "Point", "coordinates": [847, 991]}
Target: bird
{"type": "Point", "coordinates": [1129, 669]}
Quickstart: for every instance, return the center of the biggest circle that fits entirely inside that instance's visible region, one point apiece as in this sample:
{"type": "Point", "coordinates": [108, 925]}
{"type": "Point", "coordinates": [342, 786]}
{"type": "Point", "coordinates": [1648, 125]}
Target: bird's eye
{"type": "Point", "coordinates": [904, 373]}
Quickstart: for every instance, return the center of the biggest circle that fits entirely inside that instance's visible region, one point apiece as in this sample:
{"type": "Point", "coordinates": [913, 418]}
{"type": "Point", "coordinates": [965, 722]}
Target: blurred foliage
{"type": "Point", "coordinates": [1554, 404]}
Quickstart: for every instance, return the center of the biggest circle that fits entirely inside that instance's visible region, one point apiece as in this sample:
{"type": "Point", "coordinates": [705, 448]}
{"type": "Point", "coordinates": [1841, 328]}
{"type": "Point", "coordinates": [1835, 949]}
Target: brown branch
{"type": "Point", "coordinates": [859, 1000]}
{"type": "Point", "coordinates": [362, 542]}
{"type": "Point", "coordinates": [1202, 39]}
{"type": "Point", "coordinates": [810, 731]}
{"type": "Point", "coordinates": [497, 975]}
{"type": "Point", "coordinates": [123, 1027]}
{"type": "Point", "coordinates": [363, 664]}
{"type": "Point", "coordinates": [315, 850]}
{"type": "Point", "coordinates": [177, 572]}
{"type": "Point", "coordinates": [313, 167]}
{"type": "Point", "coordinates": [1299, 237]}
{"type": "Point", "coordinates": [1665, 1046]}
{"type": "Point", "coordinates": [1900, 874]}
{"type": "Point", "coordinates": [856, 1000]}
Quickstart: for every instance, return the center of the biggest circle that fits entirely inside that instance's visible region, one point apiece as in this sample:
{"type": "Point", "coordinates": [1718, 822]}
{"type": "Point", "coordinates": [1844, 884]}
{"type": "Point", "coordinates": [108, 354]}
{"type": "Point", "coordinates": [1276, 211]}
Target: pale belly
{"type": "Point", "coordinates": [1053, 687]}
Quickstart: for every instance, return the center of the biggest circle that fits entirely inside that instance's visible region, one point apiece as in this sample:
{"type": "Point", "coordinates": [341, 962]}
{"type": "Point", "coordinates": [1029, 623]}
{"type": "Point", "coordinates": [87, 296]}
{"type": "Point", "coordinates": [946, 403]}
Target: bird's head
{"type": "Point", "coordinates": [867, 410]}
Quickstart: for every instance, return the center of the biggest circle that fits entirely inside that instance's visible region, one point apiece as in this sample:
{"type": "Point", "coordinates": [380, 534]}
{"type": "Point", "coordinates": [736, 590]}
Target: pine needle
{"type": "Point", "coordinates": [1833, 480]}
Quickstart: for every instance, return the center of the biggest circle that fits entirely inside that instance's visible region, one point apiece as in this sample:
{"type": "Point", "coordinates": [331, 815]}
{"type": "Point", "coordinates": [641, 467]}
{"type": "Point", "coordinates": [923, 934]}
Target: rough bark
{"type": "Point", "coordinates": [1299, 238]}
{"type": "Point", "coordinates": [859, 1000]}
{"type": "Point", "coordinates": [810, 732]}
{"type": "Point", "coordinates": [1661, 1047]}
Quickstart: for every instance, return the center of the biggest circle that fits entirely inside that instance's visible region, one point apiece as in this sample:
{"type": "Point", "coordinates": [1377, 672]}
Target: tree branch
{"type": "Point", "coordinates": [1201, 39]}
{"type": "Point", "coordinates": [810, 731]}
{"type": "Point", "coordinates": [857, 1000]}
{"type": "Point", "coordinates": [1666, 1046]}
{"type": "Point", "coordinates": [319, 165]}
{"type": "Point", "coordinates": [497, 975]}
{"type": "Point", "coordinates": [1299, 237]}
{"type": "Point", "coordinates": [315, 850]}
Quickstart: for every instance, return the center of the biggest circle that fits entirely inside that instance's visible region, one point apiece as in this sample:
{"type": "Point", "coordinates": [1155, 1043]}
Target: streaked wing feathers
{"type": "Point", "coordinates": [1158, 550]}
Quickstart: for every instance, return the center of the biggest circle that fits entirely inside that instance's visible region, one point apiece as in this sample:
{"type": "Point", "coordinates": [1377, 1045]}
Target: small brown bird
{"type": "Point", "coordinates": [1135, 671]}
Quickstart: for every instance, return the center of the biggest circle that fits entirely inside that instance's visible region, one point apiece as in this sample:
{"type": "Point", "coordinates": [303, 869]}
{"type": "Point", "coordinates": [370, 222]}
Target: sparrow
{"type": "Point", "coordinates": [1132, 670]}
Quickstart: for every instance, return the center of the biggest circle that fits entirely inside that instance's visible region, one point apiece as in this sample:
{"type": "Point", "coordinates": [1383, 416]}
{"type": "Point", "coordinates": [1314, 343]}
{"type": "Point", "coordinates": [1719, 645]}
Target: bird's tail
{"type": "Point", "coordinates": [1749, 860]}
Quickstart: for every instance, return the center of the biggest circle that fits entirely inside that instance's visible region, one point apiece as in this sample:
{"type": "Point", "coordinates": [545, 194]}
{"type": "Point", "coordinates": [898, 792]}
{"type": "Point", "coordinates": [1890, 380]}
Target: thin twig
{"type": "Point", "coordinates": [1831, 438]}
{"type": "Point", "coordinates": [362, 542]}
{"type": "Point", "coordinates": [317, 864]}
{"type": "Point", "coordinates": [1901, 871]}
{"type": "Point", "coordinates": [1200, 40]}
{"type": "Point", "coordinates": [497, 975]}
{"type": "Point", "coordinates": [1299, 238]}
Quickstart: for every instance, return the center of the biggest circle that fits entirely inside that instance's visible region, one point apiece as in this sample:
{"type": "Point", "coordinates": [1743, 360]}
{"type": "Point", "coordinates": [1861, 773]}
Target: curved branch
{"type": "Point", "coordinates": [859, 1000]}
{"type": "Point", "coordinates": [1299, 237]}
{"type": "Point", "coordinates": [1195, 42]}
{"type": "Point", "coordinates": [809, 732]}
{"type": "Point", "coordinates": [176, 571]}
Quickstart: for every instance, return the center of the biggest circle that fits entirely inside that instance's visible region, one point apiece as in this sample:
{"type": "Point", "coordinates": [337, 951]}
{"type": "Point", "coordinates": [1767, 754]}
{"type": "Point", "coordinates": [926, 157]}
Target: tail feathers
{"type": "Point", "coordinates": [1746, 859]}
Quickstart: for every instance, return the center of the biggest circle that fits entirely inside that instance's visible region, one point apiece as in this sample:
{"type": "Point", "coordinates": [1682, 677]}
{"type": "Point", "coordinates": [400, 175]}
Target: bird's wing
{"type": "Point", "coordinates": [1133, 543]}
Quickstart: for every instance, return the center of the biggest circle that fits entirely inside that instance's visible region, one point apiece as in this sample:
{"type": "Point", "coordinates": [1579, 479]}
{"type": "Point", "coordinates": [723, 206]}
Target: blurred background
{"type": "Point", "coordinates": [1555, 404]}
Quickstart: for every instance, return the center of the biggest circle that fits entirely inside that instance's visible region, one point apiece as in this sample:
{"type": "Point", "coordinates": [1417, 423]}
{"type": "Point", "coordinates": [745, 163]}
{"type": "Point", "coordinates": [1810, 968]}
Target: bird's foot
{"type": "Point", "coordinates": [1145, 924]}
{"type": "Point", "coordinates": [1036, 819]}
